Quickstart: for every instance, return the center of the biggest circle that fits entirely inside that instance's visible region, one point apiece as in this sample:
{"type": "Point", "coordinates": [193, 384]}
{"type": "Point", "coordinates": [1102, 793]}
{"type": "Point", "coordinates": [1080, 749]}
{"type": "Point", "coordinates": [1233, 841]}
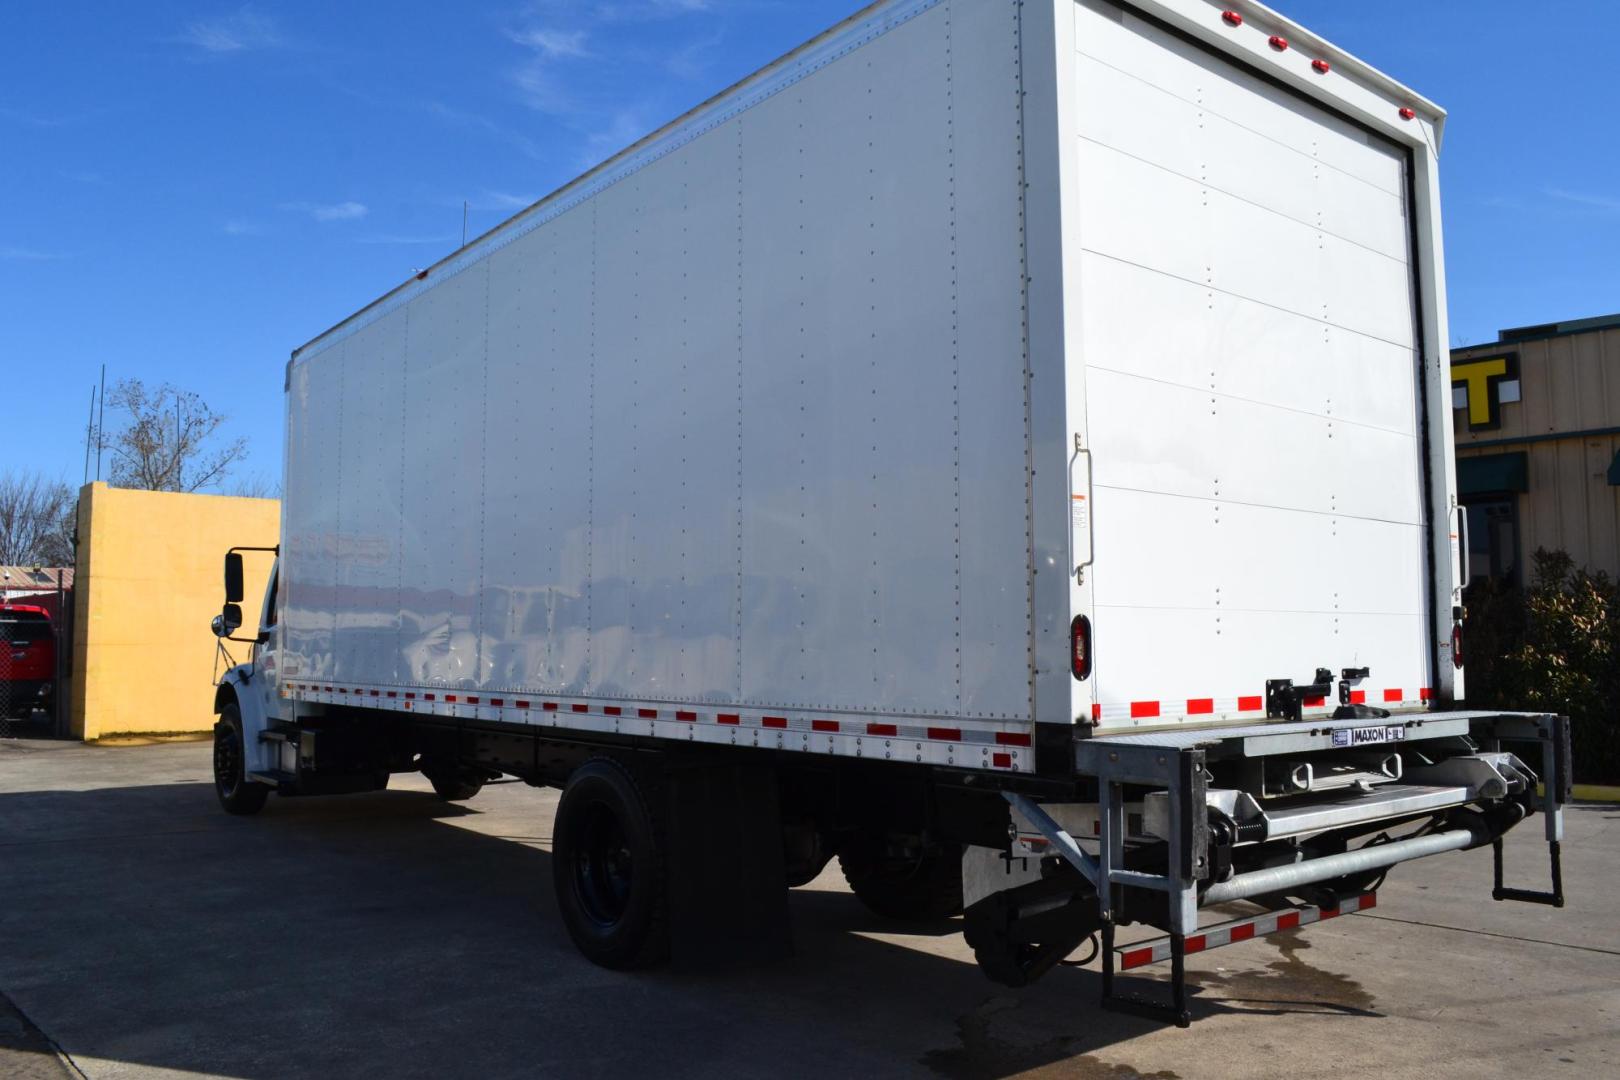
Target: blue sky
{"type": "Point", "coordinates": [190, 190]}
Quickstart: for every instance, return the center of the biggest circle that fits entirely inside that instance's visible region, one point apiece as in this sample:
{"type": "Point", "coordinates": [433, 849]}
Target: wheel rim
{"type": "Point", "coordinates": [604, 869]}
{"type": "Point", "coordinates": [227, 763]}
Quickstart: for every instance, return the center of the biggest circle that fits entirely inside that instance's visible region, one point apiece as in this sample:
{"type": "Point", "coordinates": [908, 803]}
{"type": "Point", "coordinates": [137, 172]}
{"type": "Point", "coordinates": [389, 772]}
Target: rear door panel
{"type": "Point", "coordinates": [1247, 314]}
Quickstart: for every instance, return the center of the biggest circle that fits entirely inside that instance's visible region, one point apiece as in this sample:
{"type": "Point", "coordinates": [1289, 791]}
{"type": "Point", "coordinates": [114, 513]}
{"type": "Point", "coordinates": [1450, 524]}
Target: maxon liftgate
{"type": "Point", "coordinates": [1427, 785]}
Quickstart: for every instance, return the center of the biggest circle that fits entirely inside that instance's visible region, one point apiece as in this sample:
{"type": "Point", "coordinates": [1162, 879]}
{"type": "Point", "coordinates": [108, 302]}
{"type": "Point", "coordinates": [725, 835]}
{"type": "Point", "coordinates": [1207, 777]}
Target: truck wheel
{"type": "Point", "coordinates": [237, 794]}
{"type": "Point", "coordinates": [921, 886]}
{"type": "Point", "coordinates": [608, 867]}
{"type": "Point", "coordinates": [457, 785]}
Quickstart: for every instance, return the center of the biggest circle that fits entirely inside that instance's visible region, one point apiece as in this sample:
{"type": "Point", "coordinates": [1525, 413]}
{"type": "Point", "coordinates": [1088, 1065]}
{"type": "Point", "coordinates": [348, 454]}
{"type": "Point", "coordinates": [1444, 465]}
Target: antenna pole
{"type": "Point", "coordinates": [101, 420]}
{"type": "Point", "coordinates": [89, 431]}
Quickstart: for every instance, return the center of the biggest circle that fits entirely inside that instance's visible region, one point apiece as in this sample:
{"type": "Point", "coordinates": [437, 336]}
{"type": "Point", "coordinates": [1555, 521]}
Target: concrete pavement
{"type": "Point", "coordinates": [147, 934]}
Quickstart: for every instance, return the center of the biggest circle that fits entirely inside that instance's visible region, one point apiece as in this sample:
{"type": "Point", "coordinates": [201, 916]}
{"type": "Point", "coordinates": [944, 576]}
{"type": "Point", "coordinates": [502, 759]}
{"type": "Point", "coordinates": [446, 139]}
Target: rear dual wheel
{"type": "Point", "coordinates": [608, 868]}
{"type": "Point", "coordinates": [913, 882]}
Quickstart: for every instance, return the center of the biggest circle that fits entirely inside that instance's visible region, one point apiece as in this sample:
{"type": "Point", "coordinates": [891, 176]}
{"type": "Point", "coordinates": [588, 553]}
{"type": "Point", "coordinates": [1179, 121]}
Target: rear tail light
{"type": "Point", "coordinates": [1080, 647]}
{"type": "Point", "coordinates": [1457, 644]}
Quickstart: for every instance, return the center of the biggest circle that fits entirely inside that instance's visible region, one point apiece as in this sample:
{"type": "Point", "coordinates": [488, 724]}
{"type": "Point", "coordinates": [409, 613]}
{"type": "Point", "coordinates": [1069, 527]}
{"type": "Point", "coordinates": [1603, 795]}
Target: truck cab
{"type": "Point", "coordinates": [27, 659]}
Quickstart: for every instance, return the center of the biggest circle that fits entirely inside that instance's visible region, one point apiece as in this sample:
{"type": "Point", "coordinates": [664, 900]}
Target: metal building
{"type": "Point", "coordinates": [1537, 418]}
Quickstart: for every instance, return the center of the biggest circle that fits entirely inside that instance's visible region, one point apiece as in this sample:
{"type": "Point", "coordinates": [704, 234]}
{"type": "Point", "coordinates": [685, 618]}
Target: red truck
{"type": "Point", "coordinates": [27, 659]}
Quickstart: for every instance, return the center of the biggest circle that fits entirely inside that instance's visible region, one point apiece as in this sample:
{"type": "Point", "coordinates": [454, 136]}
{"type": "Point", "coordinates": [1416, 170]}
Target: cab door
{"type": "Point", "coordinates": [266, 654]}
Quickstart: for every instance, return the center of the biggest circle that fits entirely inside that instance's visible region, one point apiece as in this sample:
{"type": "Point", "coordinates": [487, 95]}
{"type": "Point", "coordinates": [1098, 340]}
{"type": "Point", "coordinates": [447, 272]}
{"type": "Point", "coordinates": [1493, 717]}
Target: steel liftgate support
{"type": "Point", "coordinates": [1552, 732]}
{"type": "Point", "coordinates": [1179, 772]}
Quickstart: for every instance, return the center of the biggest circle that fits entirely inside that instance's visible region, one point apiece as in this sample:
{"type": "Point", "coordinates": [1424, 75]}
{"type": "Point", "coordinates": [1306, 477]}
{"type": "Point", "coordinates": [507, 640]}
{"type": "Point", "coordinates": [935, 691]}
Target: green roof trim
{"type": "Point", "coordinates": [1496, 473]}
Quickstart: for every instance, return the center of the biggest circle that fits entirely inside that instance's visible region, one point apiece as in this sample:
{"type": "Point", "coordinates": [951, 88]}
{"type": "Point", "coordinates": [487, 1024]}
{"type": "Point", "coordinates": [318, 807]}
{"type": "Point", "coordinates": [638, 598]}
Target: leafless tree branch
{"type": "Point", "coordinates": [168, 440]}
{"type": "Point", "coordinates": [36, 521]}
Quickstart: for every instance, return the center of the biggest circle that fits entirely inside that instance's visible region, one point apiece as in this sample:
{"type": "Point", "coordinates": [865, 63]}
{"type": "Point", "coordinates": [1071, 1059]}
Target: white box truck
{"type": "Point", "coordinates": [1003, 445]}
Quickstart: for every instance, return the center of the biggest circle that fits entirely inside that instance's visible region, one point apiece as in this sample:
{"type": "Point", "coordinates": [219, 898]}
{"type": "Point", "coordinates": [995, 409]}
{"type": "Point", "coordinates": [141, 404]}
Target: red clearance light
{"type": "Point", "coordinates": [1408, 114]}
{"type": "Point", "coordinates": [1232, 18]}
{"type": "Point", "coordinates": [1279, 43]}
{"type": "Point", "coordinates": [1322, 66]}
{"type": "Point", "coordinates": [1080, 647]}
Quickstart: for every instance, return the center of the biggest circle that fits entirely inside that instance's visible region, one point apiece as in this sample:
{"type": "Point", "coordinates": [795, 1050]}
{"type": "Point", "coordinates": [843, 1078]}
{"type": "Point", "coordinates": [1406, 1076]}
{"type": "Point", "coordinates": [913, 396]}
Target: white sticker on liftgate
{"type": "Point", "coordinates": [1369, 736]}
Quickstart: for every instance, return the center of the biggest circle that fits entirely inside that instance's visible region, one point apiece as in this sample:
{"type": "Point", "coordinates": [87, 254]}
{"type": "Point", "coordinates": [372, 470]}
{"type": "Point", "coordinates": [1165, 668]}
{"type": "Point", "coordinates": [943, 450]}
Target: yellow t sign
{"type": "Point", "coordinates": [1481, 378]}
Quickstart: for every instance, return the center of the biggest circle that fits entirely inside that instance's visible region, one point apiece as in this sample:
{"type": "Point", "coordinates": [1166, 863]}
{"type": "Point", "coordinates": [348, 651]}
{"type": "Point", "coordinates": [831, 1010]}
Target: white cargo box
{"type": "Point", "coordinates": [814, 420]}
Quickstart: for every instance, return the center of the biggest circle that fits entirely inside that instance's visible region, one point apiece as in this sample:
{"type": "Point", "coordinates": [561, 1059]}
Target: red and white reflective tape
{"type": "Point", "coordinates": [1245, 707]}
{"type": "Point", "coordinates": [1158, 950]}
{"type": "Point", "coordinates": [987, 745]}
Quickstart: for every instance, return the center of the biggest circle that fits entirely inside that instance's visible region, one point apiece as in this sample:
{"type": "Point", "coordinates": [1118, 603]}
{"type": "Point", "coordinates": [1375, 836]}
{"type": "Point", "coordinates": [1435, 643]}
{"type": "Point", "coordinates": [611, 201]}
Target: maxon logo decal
{"type": "Point", "coordinates": [1366, 736]}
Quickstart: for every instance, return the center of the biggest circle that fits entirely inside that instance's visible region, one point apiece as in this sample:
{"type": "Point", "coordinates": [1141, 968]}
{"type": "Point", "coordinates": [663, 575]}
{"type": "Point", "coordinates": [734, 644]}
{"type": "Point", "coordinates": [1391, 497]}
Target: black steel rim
{"type": "Point", "coordinates": [227, 763]}
{"type": "Point", "coordinates": [604, 868]}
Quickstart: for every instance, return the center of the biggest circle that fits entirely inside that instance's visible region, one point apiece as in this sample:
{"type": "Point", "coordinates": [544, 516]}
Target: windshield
{"type": "Point", "coordinates": [24, 628]}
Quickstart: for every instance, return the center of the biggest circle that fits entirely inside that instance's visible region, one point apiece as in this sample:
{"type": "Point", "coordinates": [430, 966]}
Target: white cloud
{"type": "Point", "coordinates": [343, 211]}
{"type": "Point", "coordinates": [543, 91]}
{"type": "Point", "coordinates": [243, 228]}
{"type": "Point", "coordinates": [624, 128]}
{"type": "Point", "coordinates": [395, 238]}
{"type": "Point", "coordinates": [12, 253]}
{"type": "Point", "coordinates": [475, 122]}
{"type": "Point", "coordinates": [552, 44]}
{"type": "Point", "coordinates": [1606, 203]}
{"type": "Point", "coordinates": [245, 29]}
{"type": "Point", "coordinates": [626, 10]}
{"type": "Point", "coordinates": [502, 200]}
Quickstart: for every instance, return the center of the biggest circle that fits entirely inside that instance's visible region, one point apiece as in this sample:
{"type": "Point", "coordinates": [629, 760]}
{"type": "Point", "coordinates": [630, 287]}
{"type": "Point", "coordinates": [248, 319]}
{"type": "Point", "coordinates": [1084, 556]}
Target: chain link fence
{"type": "Point", "coordinates": [6, 665]}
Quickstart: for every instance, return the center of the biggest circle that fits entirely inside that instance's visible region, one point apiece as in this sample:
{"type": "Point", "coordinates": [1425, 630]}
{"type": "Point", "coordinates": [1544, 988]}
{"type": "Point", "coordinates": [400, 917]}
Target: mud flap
{"type": "Point", "coordinates": [728, 896]}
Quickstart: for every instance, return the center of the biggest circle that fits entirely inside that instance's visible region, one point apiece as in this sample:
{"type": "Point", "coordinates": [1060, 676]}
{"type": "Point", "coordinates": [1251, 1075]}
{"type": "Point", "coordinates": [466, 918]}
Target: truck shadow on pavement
{"type": "Point", "coordinates": [395, 935]}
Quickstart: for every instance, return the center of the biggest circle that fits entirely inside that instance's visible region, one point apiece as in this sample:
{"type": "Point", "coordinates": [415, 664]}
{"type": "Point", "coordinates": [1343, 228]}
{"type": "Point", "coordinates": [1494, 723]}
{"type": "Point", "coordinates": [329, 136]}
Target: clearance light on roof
{"type": "Point", "coordinates": [1232, 18]}
{"type": "Point", "coordinates": [1408, 114]}
{"type": "Point", "coordinates": [1322, 66]}
{"type": "Point", "coordinates": [1279, 43]}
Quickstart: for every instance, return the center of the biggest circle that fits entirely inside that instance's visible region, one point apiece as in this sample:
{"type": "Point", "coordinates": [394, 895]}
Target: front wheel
{"type": "Point", "coordinates": [608, 868]}
{"type": "Point", "coordinates": [237, 794]}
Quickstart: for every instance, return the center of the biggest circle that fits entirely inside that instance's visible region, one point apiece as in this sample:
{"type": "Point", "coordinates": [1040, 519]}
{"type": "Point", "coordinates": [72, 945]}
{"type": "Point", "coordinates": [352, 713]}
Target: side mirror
{"type": "Point", "coordinates": [228, 621]}
{"type": "Point", "coordinates": [233, 581]}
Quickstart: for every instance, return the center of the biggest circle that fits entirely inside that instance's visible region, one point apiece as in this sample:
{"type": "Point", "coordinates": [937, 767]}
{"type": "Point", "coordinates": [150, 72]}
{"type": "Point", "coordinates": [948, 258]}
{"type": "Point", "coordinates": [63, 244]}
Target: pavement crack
{"type": "Point", "coordinates": [1492, 933]}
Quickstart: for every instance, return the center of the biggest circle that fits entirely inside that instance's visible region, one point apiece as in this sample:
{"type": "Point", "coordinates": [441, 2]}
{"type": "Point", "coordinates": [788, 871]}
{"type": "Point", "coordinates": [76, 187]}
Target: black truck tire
{"type": "Point", "coordinates": [915, 888]}
{"type": "Point", "coordinates": [237, 794]}
{"type": "Point", "coordinates": [608, 867]}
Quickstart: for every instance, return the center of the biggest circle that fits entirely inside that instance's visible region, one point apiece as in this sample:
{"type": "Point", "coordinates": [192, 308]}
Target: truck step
{"type": "Point", "coordinates": [281, 732]}
{"type": "Point", "coordinates": [1157, 950]}
{"type": "Point", "coordinates": [274, 777]}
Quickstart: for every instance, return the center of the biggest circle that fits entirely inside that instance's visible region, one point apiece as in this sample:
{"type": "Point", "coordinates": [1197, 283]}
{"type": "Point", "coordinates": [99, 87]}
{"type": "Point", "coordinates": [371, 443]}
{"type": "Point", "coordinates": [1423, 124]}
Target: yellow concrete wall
{"type": "Point", "coordinates": [150, 577]}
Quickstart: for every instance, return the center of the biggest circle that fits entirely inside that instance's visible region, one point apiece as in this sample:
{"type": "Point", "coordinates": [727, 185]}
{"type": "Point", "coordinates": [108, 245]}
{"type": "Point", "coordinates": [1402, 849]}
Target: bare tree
{"type": "Point", "coordinates": [257, 486]}
{"type": "Point", "coordinates": [36, 521]}
{"type": "Point", "coordinates": [167, 442]}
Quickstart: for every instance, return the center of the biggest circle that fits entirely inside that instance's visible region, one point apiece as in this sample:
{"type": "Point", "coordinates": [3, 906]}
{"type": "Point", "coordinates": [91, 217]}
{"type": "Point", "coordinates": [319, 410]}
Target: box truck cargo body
{"type": "Point", "coordinates": [981, 395]}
